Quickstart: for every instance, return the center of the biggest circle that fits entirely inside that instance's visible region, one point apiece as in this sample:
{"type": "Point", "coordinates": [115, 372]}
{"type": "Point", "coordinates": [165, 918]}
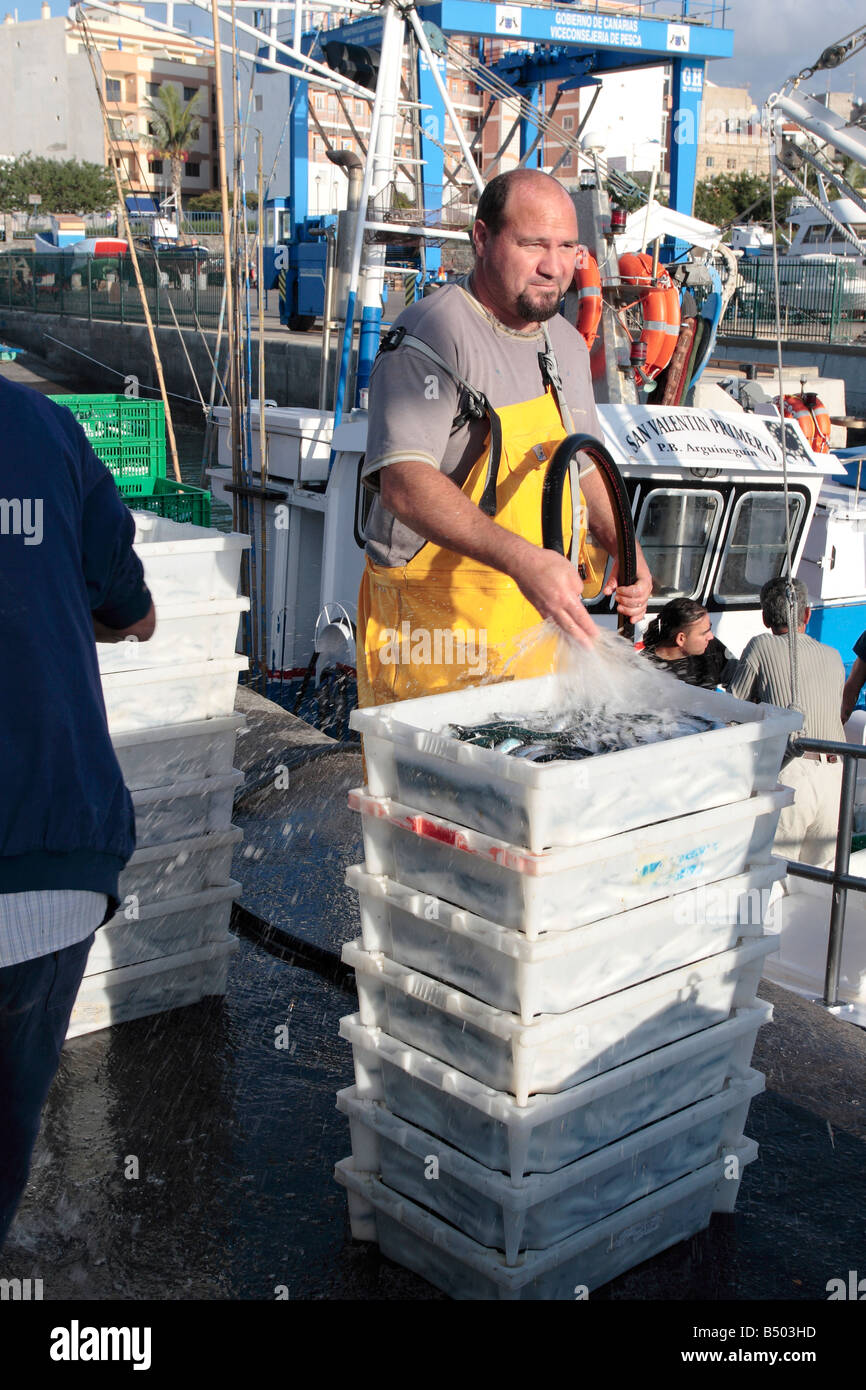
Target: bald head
{"type": "Point", "coordinates": [525, 242]}
{"type": "Point", "coordinates": [518, 188]}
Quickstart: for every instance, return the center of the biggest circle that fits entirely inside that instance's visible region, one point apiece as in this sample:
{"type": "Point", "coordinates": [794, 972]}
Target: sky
{"type": "Point", "coordinates": [772, 40]}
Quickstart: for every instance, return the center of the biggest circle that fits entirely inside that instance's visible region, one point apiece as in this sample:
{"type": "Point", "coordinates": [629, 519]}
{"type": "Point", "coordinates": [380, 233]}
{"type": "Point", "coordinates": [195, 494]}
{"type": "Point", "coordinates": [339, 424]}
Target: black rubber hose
{"type": "Point", "coordinates": [551, 506]}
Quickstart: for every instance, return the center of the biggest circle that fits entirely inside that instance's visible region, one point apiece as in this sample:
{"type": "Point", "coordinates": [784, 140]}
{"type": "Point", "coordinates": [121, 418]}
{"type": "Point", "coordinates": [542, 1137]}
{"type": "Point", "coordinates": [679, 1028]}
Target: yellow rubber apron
{"type": "Point", "coordinates": [444, 622]}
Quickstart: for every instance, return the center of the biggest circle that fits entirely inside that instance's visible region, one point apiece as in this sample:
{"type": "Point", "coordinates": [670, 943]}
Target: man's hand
{"type": "Point", "coordinates": [433, 506]}
{"type": "Point", "coordinates": [631, 599]}
{"type": "Point", "coordinates": [142, 631]}
{"type": "Point", "coordinates": [553, 586]}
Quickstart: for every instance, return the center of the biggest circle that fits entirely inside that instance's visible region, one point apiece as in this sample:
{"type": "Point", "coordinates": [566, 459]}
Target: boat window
{"type": "Point", "coordinates": [755, 550]}
{"type": "Point", "coordinates": [676, 528]}
{"type": "Point", "coordinates": [818, 232]}
{"type": "Point", "coordinates": [364, 498]}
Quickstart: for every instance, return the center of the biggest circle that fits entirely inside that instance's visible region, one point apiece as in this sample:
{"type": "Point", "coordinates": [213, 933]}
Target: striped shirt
{"type": "Point", "coordinates": [763, 675]}
{"type": "Point", "coordinates": [44, 920]}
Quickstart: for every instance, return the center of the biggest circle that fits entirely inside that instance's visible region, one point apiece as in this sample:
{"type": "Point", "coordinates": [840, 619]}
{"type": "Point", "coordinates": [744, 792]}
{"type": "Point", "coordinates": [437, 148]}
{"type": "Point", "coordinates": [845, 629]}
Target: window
{"type": "Point", "coordinates": [117, 129]}
{"type": "Point", "coordinates": [710, 162]}
{"type": "Point", "coordinates": [567, 161]}
{"type": "Point", "coordinates": [193, 169]}
{"type": "Point", "coordinates": [112, 89]}
{"type": "Point", "coordinates": [153, 89]}
{"type": "Point", "coordinates": [676, 529]}
{"type": "Point", "coordinates": [360, 107]}
{"type": "Point", "coordinates": [365, 496]}
{"type": "Point", "coordinates": [155, 166]}
{"type": "Point", "coordinates": [732, 164]}
{"type": "Point", "coordinates": [258, 102]}
{"type": "Point", "coordinates": [568, 123]}
{"type": "Point", "coordinates": [818, 233]}
{"type": "Point", "coordinates": [189, 93]}
{"type": "Point", "coordinates": [755, 549]}
{"type": "Point", "coordinates": [318, 101]}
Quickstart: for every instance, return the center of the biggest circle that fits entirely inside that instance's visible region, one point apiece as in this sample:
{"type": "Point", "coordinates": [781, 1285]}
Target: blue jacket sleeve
{"type": "Point", "coordinates": [114, 574]}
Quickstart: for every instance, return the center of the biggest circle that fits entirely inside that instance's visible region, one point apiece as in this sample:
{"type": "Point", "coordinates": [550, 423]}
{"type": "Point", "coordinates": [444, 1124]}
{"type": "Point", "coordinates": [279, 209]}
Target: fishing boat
{"type": "Point", "coordinates": [66, 236]}
{"type": "Point", "coordinates": [723, 485]}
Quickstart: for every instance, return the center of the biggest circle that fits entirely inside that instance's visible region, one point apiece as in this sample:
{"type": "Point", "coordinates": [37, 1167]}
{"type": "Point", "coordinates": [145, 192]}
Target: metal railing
{"type": "Point", "coordinates": [179, 284]}
{"type": "Point", "coordinates": [820, 301]}
{"type": "Point", "coordinates": [708, 12]}
{"type": "Point", "coordinates": [824, 302]}
{"type": "Point", "coordinates": [838, 878]}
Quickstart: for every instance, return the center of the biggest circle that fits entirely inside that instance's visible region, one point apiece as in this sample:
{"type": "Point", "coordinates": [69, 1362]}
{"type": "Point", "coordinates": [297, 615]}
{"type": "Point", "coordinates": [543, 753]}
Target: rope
{"type": "Point", "coordinates": [844, 231]}
{"type": "Point", "coordinates": [104, 365]}
{"type": "Point", "coordinates": [493, 84]}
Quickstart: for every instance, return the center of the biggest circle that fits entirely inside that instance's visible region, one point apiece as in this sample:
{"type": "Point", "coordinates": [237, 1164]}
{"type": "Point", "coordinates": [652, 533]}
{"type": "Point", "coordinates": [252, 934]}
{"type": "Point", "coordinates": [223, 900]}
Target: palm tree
{"type": "Point", "coordinates": [172, 128]}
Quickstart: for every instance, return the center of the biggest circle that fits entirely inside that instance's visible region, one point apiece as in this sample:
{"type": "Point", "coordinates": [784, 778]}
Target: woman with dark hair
{"type": "Point", "coordinates": [680, 640]}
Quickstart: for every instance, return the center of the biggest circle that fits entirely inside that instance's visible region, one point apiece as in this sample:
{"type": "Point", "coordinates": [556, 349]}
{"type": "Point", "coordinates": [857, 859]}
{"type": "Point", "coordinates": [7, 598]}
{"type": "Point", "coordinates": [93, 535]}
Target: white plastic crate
{"type": "Point", "coordinates": [546, 1207]}
{"type": "Point", "coordinates": [550, 1131]}
{"type": "Point", "coordinates": [462, 1268]}
{"type": "Point", "coordinates": [554, 1051]}
{"type": "Point", "coordinates": [185, 563]}
{"type": "Point", "coordinates": [152, 757]}
{"type": "Point", "coordinates": [180, 868]}
{"type": "Point", "coordinates": [541, 805]}
{"type": "Point", "coordinates": [158, 695]}
{"type": "Point", "coordinates": [164, 928]}
{"type": "Point", "coordinates": [561, 970]}
{"type": "Point", "coordinates": [151, 987]}
{"type": "Point", "coordinates": [569, 887]}
{"type": "Point", "coordinates": [185, 632]}
{"type": "Point", "coordinates": [186, 808]}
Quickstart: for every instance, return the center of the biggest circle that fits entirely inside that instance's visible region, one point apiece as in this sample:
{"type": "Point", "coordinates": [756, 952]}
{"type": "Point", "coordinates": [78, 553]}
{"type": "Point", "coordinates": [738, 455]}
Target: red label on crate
{"type": "Point", "coordinates": [433, 831]}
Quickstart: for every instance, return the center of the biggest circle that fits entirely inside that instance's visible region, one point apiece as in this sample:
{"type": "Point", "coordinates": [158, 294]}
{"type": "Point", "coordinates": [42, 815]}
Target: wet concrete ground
{"type": "Point", "coordinates": [234, 1140]}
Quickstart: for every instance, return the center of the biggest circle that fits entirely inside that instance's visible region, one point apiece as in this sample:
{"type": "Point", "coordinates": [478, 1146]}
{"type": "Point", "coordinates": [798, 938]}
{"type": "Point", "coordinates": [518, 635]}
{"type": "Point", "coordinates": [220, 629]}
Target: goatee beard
{"type": "Point", "coordinates": [533, 312]}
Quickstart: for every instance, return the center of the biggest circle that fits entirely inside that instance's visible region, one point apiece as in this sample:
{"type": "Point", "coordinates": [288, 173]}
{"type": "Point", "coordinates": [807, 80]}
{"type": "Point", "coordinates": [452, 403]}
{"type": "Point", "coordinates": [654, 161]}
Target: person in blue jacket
{"type": "Point", "coordinates": [68, 576]}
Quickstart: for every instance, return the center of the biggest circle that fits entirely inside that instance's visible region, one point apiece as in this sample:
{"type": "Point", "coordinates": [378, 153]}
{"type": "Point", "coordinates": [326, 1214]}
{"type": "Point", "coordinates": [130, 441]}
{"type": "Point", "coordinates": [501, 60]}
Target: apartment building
{"type": "Point", "coordinates": [135, 62]}
{"type": "Point", "coordinates": [731, 138]}
{"type": "Point", "coordinates": [52, 107]}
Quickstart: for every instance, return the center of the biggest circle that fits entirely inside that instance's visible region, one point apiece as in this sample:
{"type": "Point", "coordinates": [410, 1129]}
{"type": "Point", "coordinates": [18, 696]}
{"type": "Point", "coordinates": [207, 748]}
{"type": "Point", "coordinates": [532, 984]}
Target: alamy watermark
{"type": "Point", "coordinates": [718, 903]}
{"type": "Point", "coordinates": [438, 646]}
{"type": "Point", "coordinates": [22, 516]}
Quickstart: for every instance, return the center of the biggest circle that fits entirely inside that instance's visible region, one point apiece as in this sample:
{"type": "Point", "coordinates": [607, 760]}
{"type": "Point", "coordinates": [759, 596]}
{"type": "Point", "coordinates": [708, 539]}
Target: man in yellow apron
{"type": "Point", "coordinates": [475, 388]}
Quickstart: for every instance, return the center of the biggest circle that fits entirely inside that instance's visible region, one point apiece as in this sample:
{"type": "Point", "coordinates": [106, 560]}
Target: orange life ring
{"type": "Point", "coordinates": [660, 307]}
{"type": "Point", "coordinates": [821, 416]}
{"type": "Point", "coordinates": [812, 416]}
{"type": "Point", "coordinates": [587, 282]}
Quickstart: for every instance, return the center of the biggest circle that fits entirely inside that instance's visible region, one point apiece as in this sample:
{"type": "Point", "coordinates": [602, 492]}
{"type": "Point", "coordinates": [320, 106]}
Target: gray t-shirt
{"type": "Point", "coordinates": [764, 675]}
{"type": "Point", "coordinates": [413, 403]}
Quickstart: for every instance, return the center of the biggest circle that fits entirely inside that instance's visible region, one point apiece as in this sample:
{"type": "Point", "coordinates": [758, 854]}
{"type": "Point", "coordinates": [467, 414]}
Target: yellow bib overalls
{"type": "Point", "coordinates": [442, 621]}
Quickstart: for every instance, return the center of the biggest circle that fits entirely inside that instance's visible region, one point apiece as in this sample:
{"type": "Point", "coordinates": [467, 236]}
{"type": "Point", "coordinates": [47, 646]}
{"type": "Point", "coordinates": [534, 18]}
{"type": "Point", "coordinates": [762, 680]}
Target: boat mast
{"type": "Point", "coordinates": [227, 262]}
{"type": "Point", "coordinates": [121, 203]}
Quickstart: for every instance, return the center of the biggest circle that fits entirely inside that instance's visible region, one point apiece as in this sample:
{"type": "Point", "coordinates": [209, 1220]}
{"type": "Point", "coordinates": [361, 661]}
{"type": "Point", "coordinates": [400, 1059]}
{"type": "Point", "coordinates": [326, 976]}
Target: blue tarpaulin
{"type": "Point", "coordinates": [139, 205]}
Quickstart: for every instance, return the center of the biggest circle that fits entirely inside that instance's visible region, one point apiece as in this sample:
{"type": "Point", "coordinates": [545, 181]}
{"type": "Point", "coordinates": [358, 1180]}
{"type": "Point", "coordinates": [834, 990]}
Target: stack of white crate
{"type": "Point", "coordinates": [557, 984]}
{"type": "Point", "coordinates": [170, 705]}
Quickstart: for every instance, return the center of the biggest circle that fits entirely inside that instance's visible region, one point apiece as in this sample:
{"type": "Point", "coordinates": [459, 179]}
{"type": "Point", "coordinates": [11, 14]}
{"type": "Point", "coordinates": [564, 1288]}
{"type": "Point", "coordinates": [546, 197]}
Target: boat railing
{"type": "Point", "coordinates": [712, 13]}
{"type": "Point", "coordinates": [838, 878]}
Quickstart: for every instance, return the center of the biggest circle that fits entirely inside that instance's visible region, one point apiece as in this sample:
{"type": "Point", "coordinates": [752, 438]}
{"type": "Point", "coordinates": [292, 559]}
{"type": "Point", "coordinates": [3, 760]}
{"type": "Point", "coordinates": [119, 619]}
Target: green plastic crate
{"type": "Point", "coordinates": [126, 433]}
{"type": "Point", "coordinates": [177, 501]}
